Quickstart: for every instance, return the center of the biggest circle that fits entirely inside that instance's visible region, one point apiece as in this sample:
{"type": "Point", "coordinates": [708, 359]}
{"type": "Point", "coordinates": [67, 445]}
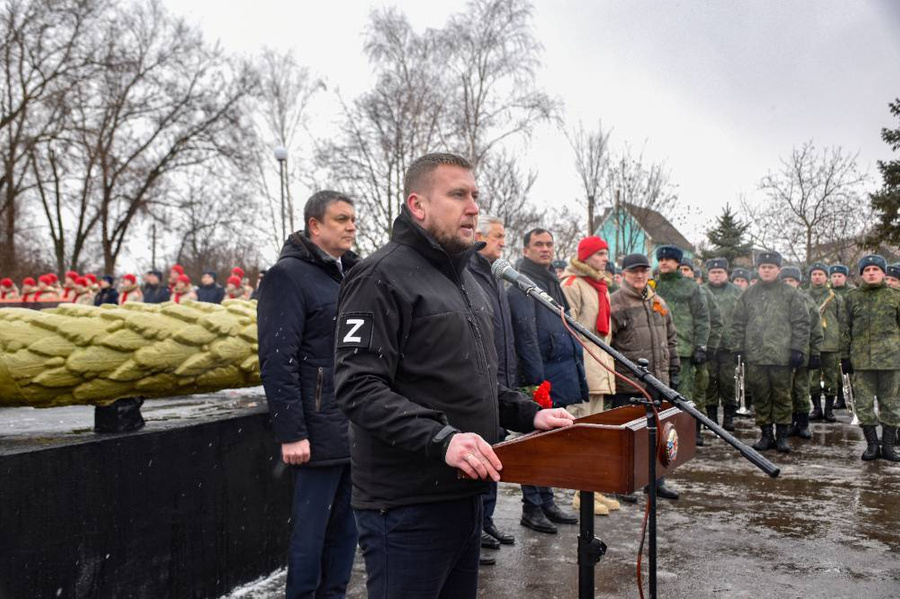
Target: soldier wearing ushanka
{"type": "Point", "coordinates": [741, 278]}
{"type": "Point", "coordinates": [870, 353]}
{"type": "Point", "coordinates": [690, 311]}
{"type": "Point", "coordinates": [800, 383]}
{"type": "Point", "coordinates": [721, 362]}
{"type": "Point", "coordinates": [770, 330]}
{"type": "Point", "coordinates": [826, 379]}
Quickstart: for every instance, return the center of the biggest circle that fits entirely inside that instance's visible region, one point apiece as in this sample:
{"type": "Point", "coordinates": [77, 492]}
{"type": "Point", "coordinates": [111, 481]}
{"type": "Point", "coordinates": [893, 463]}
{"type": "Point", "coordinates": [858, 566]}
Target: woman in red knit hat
{"type": "Point", "coordinates": [29, 286]}
{"type": "Point", "coordinates": [8, 291]}
{"type": "Point", "coordinates": [183, 289]}
{"type": "Point", "coordinates": [83, 293]}
{"type": "Point", "coordinates": [68, 289]}
{"type": "Point", "coordinates": [46, 292]}
{"type": "Point", "coordinates": [129, 291]}
{"type": "Point", "coordinates": [234, 289]}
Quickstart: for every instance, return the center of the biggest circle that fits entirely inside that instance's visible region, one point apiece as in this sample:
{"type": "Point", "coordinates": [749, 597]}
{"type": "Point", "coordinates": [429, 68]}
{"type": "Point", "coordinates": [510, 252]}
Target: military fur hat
{"type": "Point", "coordinates": [769, 258]}
{"type": "Point", "coordinates": [698, 274]}
{"type": "Point", "coordinates": [670, 252]}
{"type": "Point", "coordinates": [818, 266]}
{"type": "Point", "coordinates": [740, 273]}
{"type": "Point", "coordinates": [893, 271]}
{"type": "Point", "coordinates": [716, 263]}
{"type": "Point", "coordinates": [839, 268]}
{"type": "Point", "coordinates": [558, 264]}
{"type": "Point", "coordinates": [873, 260]}
{"type": "Point", "coordinates": [685, 261]}
{"type": "Point", "coordinates": [791, 272]}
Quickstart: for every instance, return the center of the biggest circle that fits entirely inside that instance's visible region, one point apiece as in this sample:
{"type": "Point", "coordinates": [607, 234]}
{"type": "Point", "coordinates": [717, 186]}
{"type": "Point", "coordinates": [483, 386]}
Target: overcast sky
{"type": "Point", "coordinates": [718, 90]}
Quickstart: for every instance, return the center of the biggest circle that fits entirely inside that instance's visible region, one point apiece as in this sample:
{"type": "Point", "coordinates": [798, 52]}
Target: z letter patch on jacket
{"type": "Point", "coordinates": [355, 330]}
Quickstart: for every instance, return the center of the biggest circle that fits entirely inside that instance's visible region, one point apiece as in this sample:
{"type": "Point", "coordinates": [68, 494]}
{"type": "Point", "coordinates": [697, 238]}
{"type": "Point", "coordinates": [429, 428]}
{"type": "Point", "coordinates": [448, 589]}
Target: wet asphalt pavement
{"type": "Point", "coordinates": [829, 526]}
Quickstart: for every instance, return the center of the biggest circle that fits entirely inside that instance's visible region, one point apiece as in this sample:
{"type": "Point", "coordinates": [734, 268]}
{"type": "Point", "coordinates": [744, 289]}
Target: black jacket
{"type": "Point", "coordinates": [504, 340]}
{"type": "Point", "coordinates": [155, 294]}
{"type": "Point", "coordinates": [110, 295]}
{"type": "Point", "coordinates": [415, 359]}
{"type": "Point", "coordinates": [545, 348]}
{"type": "Point", "coordinates": [295, 317]}
{"type": "Point", "coordinates": [213, 294]}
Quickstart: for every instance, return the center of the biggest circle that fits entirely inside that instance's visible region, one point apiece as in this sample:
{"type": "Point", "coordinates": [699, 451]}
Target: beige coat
{"type": "Point", "coordinates": [584, 303]}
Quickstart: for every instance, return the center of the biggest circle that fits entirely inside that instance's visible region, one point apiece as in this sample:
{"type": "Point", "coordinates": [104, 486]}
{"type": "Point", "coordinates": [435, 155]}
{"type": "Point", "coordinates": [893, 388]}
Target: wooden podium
{"type": "Point", "coordinates": [603, 453]}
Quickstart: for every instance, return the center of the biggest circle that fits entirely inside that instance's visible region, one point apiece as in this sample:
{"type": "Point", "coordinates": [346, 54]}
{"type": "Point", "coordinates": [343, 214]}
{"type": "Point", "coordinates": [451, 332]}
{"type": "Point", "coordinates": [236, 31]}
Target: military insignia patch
{"type": "Point", "coordinates": [355, 330]}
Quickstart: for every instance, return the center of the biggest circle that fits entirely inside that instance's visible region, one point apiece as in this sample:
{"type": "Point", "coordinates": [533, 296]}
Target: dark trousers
{"type": "Point", "coordinates": [323, 540]}
{"type": "Point", "coordinates": [422, 551]}
{"type": "Point", "coordinates": [489, 502]}
{"type": "Point", "coordinates": [536, 497]}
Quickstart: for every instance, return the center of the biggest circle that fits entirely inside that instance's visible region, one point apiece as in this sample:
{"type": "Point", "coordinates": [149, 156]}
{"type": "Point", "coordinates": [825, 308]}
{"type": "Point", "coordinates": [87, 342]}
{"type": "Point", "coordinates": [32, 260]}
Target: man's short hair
{"type": "Point", "coordinates": [318, 204]}
{"type": "Point", "coordinates": [535, 231]}
{"type": "Point", "coordinates": [422, 168]}
{"type": "Point", "coordinates": [486, 221]}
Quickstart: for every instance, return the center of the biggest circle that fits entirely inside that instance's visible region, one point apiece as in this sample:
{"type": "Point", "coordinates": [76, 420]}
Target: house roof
{"type": "Point", "coordinates": [657, 226]}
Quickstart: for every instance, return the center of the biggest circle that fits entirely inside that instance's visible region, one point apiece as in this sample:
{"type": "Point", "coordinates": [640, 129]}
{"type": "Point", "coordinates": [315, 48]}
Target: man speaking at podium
{"type": "Point", "coordinates": [416, 374]}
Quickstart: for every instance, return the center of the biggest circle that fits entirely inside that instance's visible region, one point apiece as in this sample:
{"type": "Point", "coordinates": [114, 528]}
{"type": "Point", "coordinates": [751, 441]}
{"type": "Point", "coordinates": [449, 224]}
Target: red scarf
{"type": "Point", "coordinates": [603, 312]}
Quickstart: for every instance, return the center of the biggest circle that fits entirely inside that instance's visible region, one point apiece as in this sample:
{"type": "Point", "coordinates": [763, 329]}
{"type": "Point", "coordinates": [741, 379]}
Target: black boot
{"type": "Point", "coordinates": [888, 438]}
{"type": "Point", "coordinates": [665, 492]}
{"type": "Point", "coordinates": [781, 438]}
{"type": "Point", "coordinates": [829, 406]}
{"type": "Point", "coordinates": [699, 435]}
{"type": "Point", "coordinates": [533, 517]}
{"type": "Point", "coordinates": [872, 450]}
{"type": "Point", "coordinates": [816, 415]}
{"type": "Point", "coordinates": [728, 418]}
{"type": "Point", "coordinates": [840, 404]}
{"type": "Point", "coordinates": [803, 426]}
{"type": "Point", "coordinates": [766, 441]}
{"type": "Point", "coordinates": [713, 413]}
{"type": "Point", "coordinates": [792, 430]}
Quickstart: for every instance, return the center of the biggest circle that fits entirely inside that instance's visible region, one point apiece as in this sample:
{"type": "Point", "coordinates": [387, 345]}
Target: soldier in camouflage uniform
{"type": "Point", "coordinates": [721, 363]}
{"type": "Point", "coordinates": [741, 278]}
{"type": "Point", "coordinates": [870, 352]}
{"type": "Point", "coordinates": [892, 276]}
{"type": "Point", "coordinates": [827, 378]}
{"type": "Point", "coordinates": [770, 330]}
{"type": "Point", "coordinates": [838, 275]}
{"type": "Point", "coordinates": [701, 373]}
{"type": "Point", "coordinates": [690, 313]}
{"type": "Point", "coordinates": [812, 359]}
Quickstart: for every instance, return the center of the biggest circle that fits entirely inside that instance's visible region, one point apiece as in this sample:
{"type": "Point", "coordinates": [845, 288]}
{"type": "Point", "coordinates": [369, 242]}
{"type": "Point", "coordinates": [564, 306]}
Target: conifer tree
{"type": "Point", "coordinates": [726, 239]}
{"type": "Point", "coordinates": [886, 202]}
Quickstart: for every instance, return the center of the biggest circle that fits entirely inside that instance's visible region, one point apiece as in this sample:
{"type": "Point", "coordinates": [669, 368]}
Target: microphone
{"type": "Point", "coordinates": [501, 269]}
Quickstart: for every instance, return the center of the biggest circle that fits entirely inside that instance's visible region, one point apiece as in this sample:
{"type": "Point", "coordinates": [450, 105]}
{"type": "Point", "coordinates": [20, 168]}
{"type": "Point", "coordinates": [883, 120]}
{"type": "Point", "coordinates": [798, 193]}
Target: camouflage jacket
{"type": "Point", "coordinates": [843, 291]}
{"type": "Point", "coordinates": [870, 335]}
{"type": "Point", "coordinates": [831, 312]}
{"type": "Point", "coordinates": [726, 297]}
{"type": "Point", "coordinates": [715, 320]}
{"type": "Point", "coordinates": [770, 320]}
{"type": "Point", "coordinates": [816, 334]}
{"type": "Point", "coordinates": [690, 312]}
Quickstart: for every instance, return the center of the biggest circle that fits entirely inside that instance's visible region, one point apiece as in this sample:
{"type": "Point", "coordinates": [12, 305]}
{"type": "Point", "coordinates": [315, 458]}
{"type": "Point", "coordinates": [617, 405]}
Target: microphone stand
{"type": "Point", "coordinates": [590, 549]}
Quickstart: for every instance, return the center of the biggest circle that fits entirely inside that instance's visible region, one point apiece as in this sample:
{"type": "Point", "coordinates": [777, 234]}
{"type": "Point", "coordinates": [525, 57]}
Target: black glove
{"type": "Point", "coordinates": [738, 357]}
{"type": "Point", "coordinates": [796, 360]}
{"type": "Point", "coordinates": [699, 356]}
{"type": "Point", "coordinates": [673, 379]}
{"type": "Point", "coordinates": [846, 366]}
{"type": "Point", "coordinates": [815, 362]}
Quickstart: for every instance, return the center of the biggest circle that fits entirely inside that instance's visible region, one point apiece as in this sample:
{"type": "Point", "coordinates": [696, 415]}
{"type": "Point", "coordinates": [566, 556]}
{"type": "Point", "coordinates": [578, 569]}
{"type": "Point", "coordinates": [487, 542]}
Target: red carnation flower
{"type": "Point", "coordinates": [542, 395]}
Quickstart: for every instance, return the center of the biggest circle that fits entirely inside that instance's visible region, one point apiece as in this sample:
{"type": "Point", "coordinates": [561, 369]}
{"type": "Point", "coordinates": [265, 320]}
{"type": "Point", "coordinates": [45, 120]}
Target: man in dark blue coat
{"type": "Point", "coordinates": [493, 234]}
{"type": "Point", "coordinates": [154, 291]}
{"type": "Point", "coordinates": [209, 290]}
{"type": "Point", "coordinates": [546, 353]}
{"type": "Point", "coordinates": [296, 316]}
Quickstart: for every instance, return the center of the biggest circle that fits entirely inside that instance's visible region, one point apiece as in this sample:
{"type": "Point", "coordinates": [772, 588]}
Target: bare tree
{"type": "Point", "coordinates": [505, 190]}
{"type": "Point", "coordinates": [163, 101]}
{"type": "Point", "coordinates": [567, 232]}
{"type": "Point", "coordinates": [285, 90]}
{"type": "Point", "coordinates": [387, 128]}
{"type": "Point", "coordinates": [636, 191]}
{"type": "Point", "coordinates": [813, 201]}
{"type": "Point", "coordinates": [591, 164]}
{"type": "Point", "coordinates": [42, 51]}
{"type": "Point", "coordinates": [493, 58]}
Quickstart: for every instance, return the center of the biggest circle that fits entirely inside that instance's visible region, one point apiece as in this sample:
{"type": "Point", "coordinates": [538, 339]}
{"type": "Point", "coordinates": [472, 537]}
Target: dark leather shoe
{"type": "Point", "coordinates": [486, 560]}
{"type": "Point", "coordinates": [537, 521]}
{"type": "Point", "coordinates": [665, 492]}
{"type": "Point", "coordinates": [501, 535]}
{"type": "Point", "coordinates": [630, 498]}
{"type": "Point", "coordinates": [557, 515]}
{"type": "Point", "coordinates": [489, 542]}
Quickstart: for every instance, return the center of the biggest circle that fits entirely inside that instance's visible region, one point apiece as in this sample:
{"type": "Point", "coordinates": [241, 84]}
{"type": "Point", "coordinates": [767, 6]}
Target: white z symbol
{"type": "Point", "coordinates": [356, 323]}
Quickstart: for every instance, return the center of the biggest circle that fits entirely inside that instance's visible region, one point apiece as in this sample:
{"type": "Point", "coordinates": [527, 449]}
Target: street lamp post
{"type": "Point", "coordinates": [281, 157]}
